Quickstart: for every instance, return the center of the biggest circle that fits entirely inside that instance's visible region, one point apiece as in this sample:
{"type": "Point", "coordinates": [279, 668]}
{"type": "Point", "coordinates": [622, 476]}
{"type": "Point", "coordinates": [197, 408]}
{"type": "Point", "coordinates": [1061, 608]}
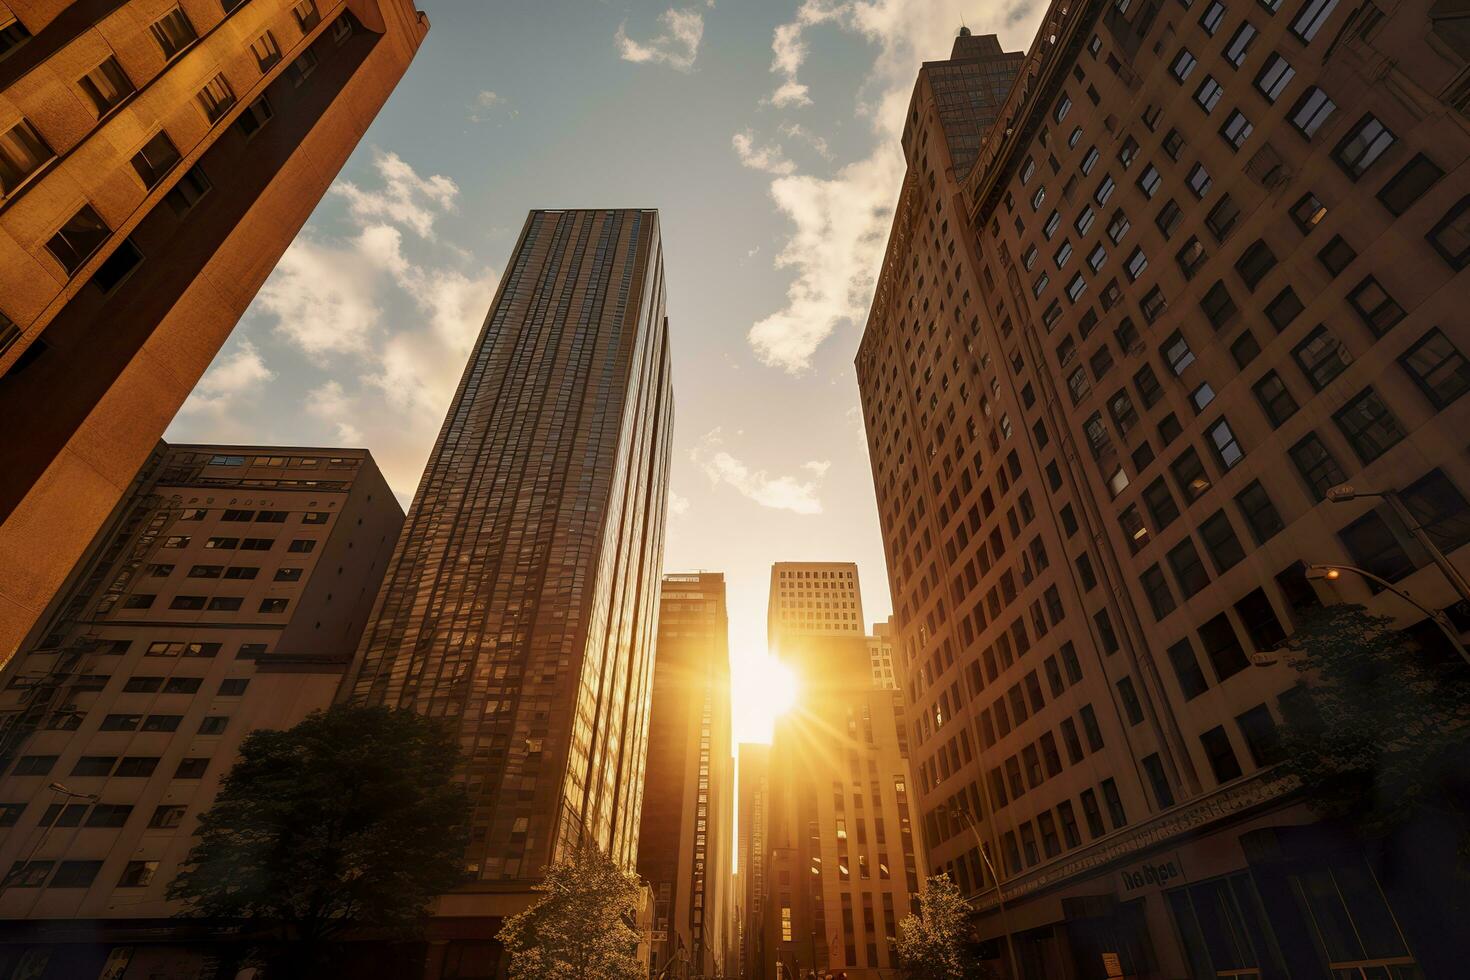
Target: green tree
{"type": "Point", "coordinates": [1379, 730]}
{"type": "Point", "coordinates": [579, 929]}
{"type": "Point", "coordinates": [348, 820]}
{"type": "Point", "coordinates": [931, 944]}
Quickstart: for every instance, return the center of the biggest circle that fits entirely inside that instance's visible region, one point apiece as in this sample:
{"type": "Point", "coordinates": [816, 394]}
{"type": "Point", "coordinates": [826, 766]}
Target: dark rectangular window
{"type": "Point", "coordinates": [1260, 622]}
{"type": "Point", "coordinates": [1219, 308]}
{"type": "Point", "coordinates": [1254, 263]}
{"type": "Point", "coordinates": [1275, 399]}
{"type": "Point", "coordinates": [107, 86]}
{"type": "Point", "coordinates": [1311, 111]}
{"type": "Point", "coordinates": [1262, 740]}
{"type": "Point", "coordinates": [1451, 236]}
{"type": "Point", "coordinates": [1156, 587]}
{"type": "Point", "coordinates": [1374, 306]}
{"type": "Point", "coordinates": [1222, 647]}
{"type": "Point", "coordinates": [1221, 542]}
{"type": "Point", "coordinates": [1154, 769]}
{"type": "Point", "coordinates": [1283, 309]}
{"type": "Point", "coordinates": [1188, 570]}
{"type": "Point", "coordinates": [1092, 813]}
{"type": "Point", "coordinates": [1317, 465]}
{"type": "Point", "coordinates": [83, 233]}
{"type": "Point", "coordinates": [1115, 804]}
{"type": "Point", "coordinates": [1440, 509]}
{"type": "Point", "coordinates": [1408, 185]}
{"type": "Point", "coordinates": [1187, 670]}
{"type": "Point", "coordinates": [1336, 255]}
{"type": "Point", "coordinates": [155, 159]}
{"type": "Point", "coordinates": [1368, 424]}
{"type": "Point", "coordinates": [1363, 145]}
{"type": "Point", "coordinates": [1375, 547]}
{"type": "Point", "coordinates": [1259, 513]}
{"type": "Point", "coordinates": [1321, 357]}
{"type": "Point", "coordinates": [1222, 757]}
{"type": "Point", "coordinates": [1438, 368]}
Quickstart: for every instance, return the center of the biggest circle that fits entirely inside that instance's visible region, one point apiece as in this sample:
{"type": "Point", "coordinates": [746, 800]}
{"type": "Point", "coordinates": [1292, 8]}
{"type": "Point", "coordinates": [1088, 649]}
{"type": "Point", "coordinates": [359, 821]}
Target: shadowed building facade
{"type": "Point", "coordinates": [685, 840]}
{"type": "Point", "coordinates": [1207, 264]}
{"type": "Point", "coordinates": [156, 159]}
{"type": "Point", "coordinates": [843, 857]}
{"type": "Point", "coordinates": [522, 599]}
{"type": "Point", "coordinates": [751, 858]}
{"type": "Point", "coordinates": [227, 592]}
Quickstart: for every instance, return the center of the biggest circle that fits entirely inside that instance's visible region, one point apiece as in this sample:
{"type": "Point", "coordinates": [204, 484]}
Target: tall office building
{"type": "Point", "coordinates": [753, 776]}
{"type": "Point", "coordinates": [685, 843]}
{"type": "Point", "coordinates": [880, 655]}
{"type": "Point", "coordinates": [156, 159]}
{"type": "Point", "coordinates": [813, 598]}
{"type": "Point", "coordinates": [522, 598]}
{"type": "Point", "coordinates": [1206, 265]}
{"type": "Point", "coordinates": [226, 592]}
{"type": "Point", "coordinates": [842, 853]}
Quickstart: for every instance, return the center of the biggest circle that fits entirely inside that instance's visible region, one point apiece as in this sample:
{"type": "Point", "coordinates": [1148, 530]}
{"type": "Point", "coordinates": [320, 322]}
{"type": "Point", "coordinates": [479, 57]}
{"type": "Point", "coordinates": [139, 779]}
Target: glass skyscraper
{"type": "Point", "coordinates": [522, 598]}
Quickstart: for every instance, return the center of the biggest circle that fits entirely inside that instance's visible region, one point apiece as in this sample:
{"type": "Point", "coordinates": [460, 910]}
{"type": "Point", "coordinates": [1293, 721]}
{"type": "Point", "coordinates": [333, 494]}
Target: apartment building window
{"type": "Point", "coordinates": [255, 116]}
{"type": "Point", "coordinates": [1199, 181]}
{"type": "Point", "coordinates": [1220, 754]}
{"type": "Point", "coordinates": [307, 16]}
{"type": "Point", "coordinates": [1169, 218]}
{"type": "Point", "coordinates": [1222, 648]}
{"type": "Point", "coordinates": [1308, 212]}
{"type": "Point", "coordinates": [191, 186]}
{"type": "Point", "coordinates": [1118, 227]}
{"type": "Point", "coordinates": [1189, 474]}
{"type": "Point", "coordinates": [1190, 257]}
{"type": "Point", "coordinates": [1439, 507]}
{"type": "Point", "coordinates": [1075, 288]}
{"type": "Point", "coordinates": [1243, 349]}
{"type": "Point", "coordinates": [12, 35]}
{"type": "Point", "coordinates": [273, 605]}
{"type": "Point", "coordinates": [1223, 442]}
{"type": "Point", "coordinates": [1259, 512]}
{"type": "Point", "coordinates": [1262, 740]}
{"type": "Point", "coordinates": [22, 153]}
{"type": "Point", "coordinates": [1451, 236]}
{"type": "Point", "coordinates": [1314, 14]}
{"type": "Point", "coordinates": [1053, 222]}
{"type": "Point", "coordinates": [76, 874]}
{"type": "Point", "coordinates": [1368, 425]}
{"type": "Point", "coordinates": [136, 767]}
{"type": "Point", "coordinates": [1156, 587]}
{"type": "Point", "coordinates": [1438, 368]}
{"type": "Point", "coordinates": [1237, 129]}
{"type": "Point", "coordinates": [1222, 218]}
{"type": "Point", "coordinates": [1136, 265]}
{"type": "Point", "coordinates": [1092, 813]}
{"type": "Point", "coordinates": [1176, 353]}
{"type": "Point", "coordinates": [1260, 620]}
{"type": "Point", "coordinates": [1182, 65]}
{"type": "Point", "coordinates": [1363, 145]}
{"type": "Point", "coordinates": [1254, 263]}
{"type": "Point", "coordinates": [74, 243]}
{"type": "Point", "coordinates": [1317, 465]}
{"type": "Point", "coordinates": [173, 32]}
{"type": "Point", "coordinates": [267, 51]}
{"type": "Point", "coordinates": [225, 603]}
{"type": "Point", "coordinates": [107, 86]}
{"type": "Point", "coordinates": [1275, 399]}
{"type": "Point", "coordinates": [1187, 670]}
{"type": "Point", "coordinates": [138, 874]}
{"type": "Point", "coordinates": [1147, 383]}
{"type": "Point", "coordinates": [1240, 44]}
{"type": "Point", "coordinates": [1207, 96]}
{"type": "Point", "coordinates": [1188, 570]}
{"type": "Point", "coordinates": [1336, 255]}
{"type": "Point", "coordinates": [1063, 253]}
{"type": "Point", "coordinates": [1115, 804]}
{"type": "Point", "coordinates": [300, 69]}
{"type": "Point", "coordinates": [1150, 180]}
{"type": "Point", "coordinates": [34, 765]}
{"type": "Point", "coordinates": [1274, 77]}
{"type": "Point", "coordinates": [1321, 357]}
{"type": "Point", "coordinates": [191, 769]}
{"type": "Point", "coordinates": [1311, 111]}
{"type": "Point", "coordinates": [1221, 542]}
{"type": "Point", "coordinates": [1173, 144]}
{"type": "Point", "coordinates": [1374, 546]}
{"type": "Point", "coordinates": [216, 98]}
{"type": "Point", "coordinates": [1283, 309]}
{"type": "Point", "coordinates": [1104, 190]}
{"type": "Point", "coordinates": [1154, 769]}
{"type": "Point", "coordinates": [1408, 185]}
{"type": "Point", "coordinates": [155, 159]}
{"type": "Point", "coordinates": [341, 29]}
{"type": "Point", "coordinates": [1213, 17]}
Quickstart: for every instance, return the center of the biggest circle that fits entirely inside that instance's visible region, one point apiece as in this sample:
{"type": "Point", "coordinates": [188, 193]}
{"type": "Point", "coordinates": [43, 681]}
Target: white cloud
{"type": "Point", "coordinates": [768, 159]}
{"type": "Point", "coordinates": [817, 467]}
{"type": "Point", "coordinates": [777, 493]}
{"type": "Point", "coordinates": [676, 47]}
{"type": "Point", "coordinates": [793, 130]}
{"type": "Point", "coordinates": [234, 376]}
{"type": "Point", "coordinates": [405, 197]}
{"type": "Point", "coordinates": [390, 327]}
{"type": "Point", "coordinates": [840, 224]}
{"type": "Point", "coordinates": [488, 104]}
{"type": "Point", "coordinates": [678, 504]}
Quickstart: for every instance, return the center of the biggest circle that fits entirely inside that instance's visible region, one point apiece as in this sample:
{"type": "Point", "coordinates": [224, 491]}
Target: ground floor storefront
{"type": "Point", "coordinates": [1265, 895]}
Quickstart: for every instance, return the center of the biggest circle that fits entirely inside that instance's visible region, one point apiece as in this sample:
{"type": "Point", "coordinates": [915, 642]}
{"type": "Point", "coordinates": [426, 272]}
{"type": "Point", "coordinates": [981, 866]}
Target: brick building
{"type": "Point", "coordinates": [1205, 265]}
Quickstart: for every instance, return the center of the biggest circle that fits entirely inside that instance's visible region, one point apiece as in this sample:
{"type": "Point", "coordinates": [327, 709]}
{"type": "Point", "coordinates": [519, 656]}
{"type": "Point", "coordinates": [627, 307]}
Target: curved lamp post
{"type": "Point", "coordinates": [1332, 572]}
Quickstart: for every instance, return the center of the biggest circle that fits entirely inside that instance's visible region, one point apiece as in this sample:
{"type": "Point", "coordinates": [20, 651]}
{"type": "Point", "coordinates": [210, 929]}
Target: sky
{"type": "Point", "coordinates": [766, 132]}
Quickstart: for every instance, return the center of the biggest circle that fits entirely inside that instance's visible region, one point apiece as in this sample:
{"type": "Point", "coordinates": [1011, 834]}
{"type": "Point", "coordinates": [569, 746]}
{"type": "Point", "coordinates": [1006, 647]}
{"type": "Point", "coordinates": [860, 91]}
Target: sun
{"type": "Point", "coordinates": [762, 689]}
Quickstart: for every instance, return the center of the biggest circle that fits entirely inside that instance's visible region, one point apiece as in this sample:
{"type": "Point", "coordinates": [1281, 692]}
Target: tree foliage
{"type": "Point", "coordinates": [349, 819]}
{"type": "Point", "coordinates": [579, 929]}
{"type": "Point", "coordinates": [931, 944]}
{"type": "Point", "coordinates": [1379, 731]}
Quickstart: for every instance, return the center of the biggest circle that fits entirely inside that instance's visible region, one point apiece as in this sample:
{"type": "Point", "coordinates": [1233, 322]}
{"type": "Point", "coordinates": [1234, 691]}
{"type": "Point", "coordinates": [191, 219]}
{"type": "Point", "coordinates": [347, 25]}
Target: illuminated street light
{"type": "Point", "coordinates": [1331, 573]}
{"type": "Point", "coordinates": [1346, 492]}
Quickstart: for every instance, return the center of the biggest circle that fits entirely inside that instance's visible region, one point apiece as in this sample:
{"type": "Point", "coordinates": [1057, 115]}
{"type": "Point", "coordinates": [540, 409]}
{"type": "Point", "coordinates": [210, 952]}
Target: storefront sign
{"type": "Point", "coordinates": [1164, 871]}
{"type": "Point", "coordinates": [1112, 965]}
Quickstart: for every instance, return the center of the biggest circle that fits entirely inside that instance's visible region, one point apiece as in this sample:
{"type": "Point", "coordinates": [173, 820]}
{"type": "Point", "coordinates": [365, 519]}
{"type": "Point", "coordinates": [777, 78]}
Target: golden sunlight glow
{"type": "Point", "coordinates": [762, 690]}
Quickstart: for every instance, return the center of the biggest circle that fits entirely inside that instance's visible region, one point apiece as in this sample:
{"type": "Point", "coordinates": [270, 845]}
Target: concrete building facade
{"type": "Point", "coordinates": [523, 597]}
{"type": "Point", "coordinates": [881, 655]}
{"type": "Point", "coordinates": [751, 859]}
{"type": "Point", "coordinates": [843, 854]}
{"type": "Point", "coordinates": [156, 158]}
{"type": "Point", "coordinates": [226, 592]}
{"type": "Point", "coordinates": [1205, 265]}
{"type": "Point", "coordinates": [814, 598]}
{"type": "Point", "coordinates": [685, 837]}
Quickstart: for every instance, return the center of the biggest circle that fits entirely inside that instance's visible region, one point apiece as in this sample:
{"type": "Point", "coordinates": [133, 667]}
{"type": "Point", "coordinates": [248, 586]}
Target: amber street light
{"type": "Point", "coordinates": [1331, 573]}
{"type": "Point", "coordinates": [1347, 491]}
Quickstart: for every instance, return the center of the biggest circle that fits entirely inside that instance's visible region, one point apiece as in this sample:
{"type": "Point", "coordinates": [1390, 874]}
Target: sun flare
{"type": "Point", "coordinates": [763, 689]}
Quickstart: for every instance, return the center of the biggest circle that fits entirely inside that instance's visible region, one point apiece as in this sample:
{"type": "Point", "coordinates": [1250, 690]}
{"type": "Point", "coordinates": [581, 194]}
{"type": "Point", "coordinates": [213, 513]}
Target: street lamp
{"type": "Point", "coordinates": [1346, 492]}
{"type": "Point", "coordinates": [1331, 573]}
{"type": "Point", "coordinates": [1000, 900]}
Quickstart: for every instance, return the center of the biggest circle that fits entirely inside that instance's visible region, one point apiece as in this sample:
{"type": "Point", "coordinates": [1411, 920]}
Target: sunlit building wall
{"type": "Point", "coordinates": [685, 841]}
{"type": "Point", "coordinates": [156, 159]}
{"type": "Point", "coordinates": [227, 592]}
{"type": "Point", "coordinates": [522, 599]}
{"type": "Point", "coordinates": [1206, 265]}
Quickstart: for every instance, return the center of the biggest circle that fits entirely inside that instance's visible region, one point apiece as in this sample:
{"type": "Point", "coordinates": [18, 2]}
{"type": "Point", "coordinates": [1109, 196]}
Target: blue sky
{"type": "Point", "coordinates": [765, 131]}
